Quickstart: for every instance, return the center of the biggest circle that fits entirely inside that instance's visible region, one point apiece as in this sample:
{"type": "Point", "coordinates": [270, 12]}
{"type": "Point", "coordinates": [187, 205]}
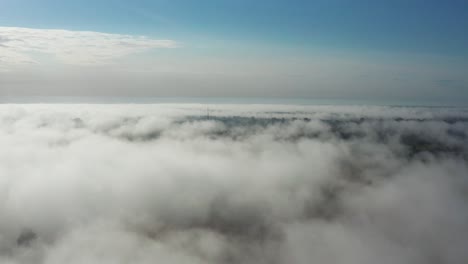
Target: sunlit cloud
{"type": "Point", "coordinates": [138, 183]}
{"type": "Point", "coordinates": [19, 46]}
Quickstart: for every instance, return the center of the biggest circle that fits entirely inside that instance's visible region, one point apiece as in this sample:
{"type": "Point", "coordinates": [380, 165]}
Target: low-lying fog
{"type": "Point", "coordinates": [233, 184]}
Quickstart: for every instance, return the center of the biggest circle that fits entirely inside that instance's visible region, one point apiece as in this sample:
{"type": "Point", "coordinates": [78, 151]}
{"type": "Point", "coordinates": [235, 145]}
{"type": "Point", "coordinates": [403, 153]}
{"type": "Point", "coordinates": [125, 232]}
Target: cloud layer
{"type": "Point", "coordinates": [235, 184]}
{"type": "Point", "coordinates": [19, 46]}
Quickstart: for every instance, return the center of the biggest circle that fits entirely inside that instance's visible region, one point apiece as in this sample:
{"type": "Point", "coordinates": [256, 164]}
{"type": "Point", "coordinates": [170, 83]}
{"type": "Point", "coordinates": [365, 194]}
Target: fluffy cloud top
{"type": "Point", "coordinates": [18, 45]}
{"type": "Point", "coordinates": [248, 184]}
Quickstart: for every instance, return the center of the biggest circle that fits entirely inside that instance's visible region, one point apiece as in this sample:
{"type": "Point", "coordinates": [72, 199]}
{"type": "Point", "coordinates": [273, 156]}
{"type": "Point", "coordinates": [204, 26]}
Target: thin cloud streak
{"type": "Point", "coordinates": [18, 46]}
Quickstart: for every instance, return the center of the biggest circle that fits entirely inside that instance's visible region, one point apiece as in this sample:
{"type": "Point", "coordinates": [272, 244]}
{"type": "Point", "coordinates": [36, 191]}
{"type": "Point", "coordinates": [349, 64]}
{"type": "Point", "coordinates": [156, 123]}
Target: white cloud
{"type": "Point", "coordinates": [18, 45]}
{"type": "Point", "coordinates": [161, 183]}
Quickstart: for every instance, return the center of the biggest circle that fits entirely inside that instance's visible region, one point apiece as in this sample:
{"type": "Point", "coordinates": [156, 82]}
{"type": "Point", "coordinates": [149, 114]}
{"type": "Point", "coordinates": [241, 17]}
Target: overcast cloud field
{"type": "Point", "coordinates": [170, 183]}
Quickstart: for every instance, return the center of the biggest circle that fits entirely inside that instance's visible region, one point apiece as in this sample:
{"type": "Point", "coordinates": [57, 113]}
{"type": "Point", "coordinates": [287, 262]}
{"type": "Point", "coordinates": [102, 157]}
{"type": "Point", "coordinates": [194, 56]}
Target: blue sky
{"type": "Point", "coordinates": [405, 26]}
{"type": "Point", "coordinates": [414, 39]}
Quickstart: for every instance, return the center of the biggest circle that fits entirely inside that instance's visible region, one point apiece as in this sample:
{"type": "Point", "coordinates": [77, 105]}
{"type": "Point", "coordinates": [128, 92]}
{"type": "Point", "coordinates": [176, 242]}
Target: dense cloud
{"type": "Point", "coordinates": [233, 184]}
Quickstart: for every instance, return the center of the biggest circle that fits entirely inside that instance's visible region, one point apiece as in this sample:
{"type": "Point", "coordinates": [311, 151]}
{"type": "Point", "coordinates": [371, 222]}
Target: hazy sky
{"type": "Point", "coordinates": [397, 50]}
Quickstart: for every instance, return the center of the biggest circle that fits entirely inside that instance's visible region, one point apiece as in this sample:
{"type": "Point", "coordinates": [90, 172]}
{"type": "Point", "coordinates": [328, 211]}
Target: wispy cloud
{"type": "Point", "coordinates": [17, 45]}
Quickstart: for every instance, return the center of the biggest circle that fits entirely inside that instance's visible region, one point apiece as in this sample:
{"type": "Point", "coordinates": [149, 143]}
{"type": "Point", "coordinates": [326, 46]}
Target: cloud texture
{"type": "Point", "coordinates": [20, 46]}
{"type": "Point", "coordinates": [248, 184]}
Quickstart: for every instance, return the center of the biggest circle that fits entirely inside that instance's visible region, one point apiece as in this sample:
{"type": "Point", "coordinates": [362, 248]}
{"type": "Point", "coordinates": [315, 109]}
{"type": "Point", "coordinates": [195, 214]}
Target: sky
{"type": "Point", "coordinates": [395, 51]}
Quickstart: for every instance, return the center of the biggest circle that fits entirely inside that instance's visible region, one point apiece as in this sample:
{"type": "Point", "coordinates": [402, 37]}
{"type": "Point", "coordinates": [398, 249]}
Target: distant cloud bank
{"type": "Point", "coordinates": [233, 184]}
{"type": "Point", "coordinates": [20, 46]}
